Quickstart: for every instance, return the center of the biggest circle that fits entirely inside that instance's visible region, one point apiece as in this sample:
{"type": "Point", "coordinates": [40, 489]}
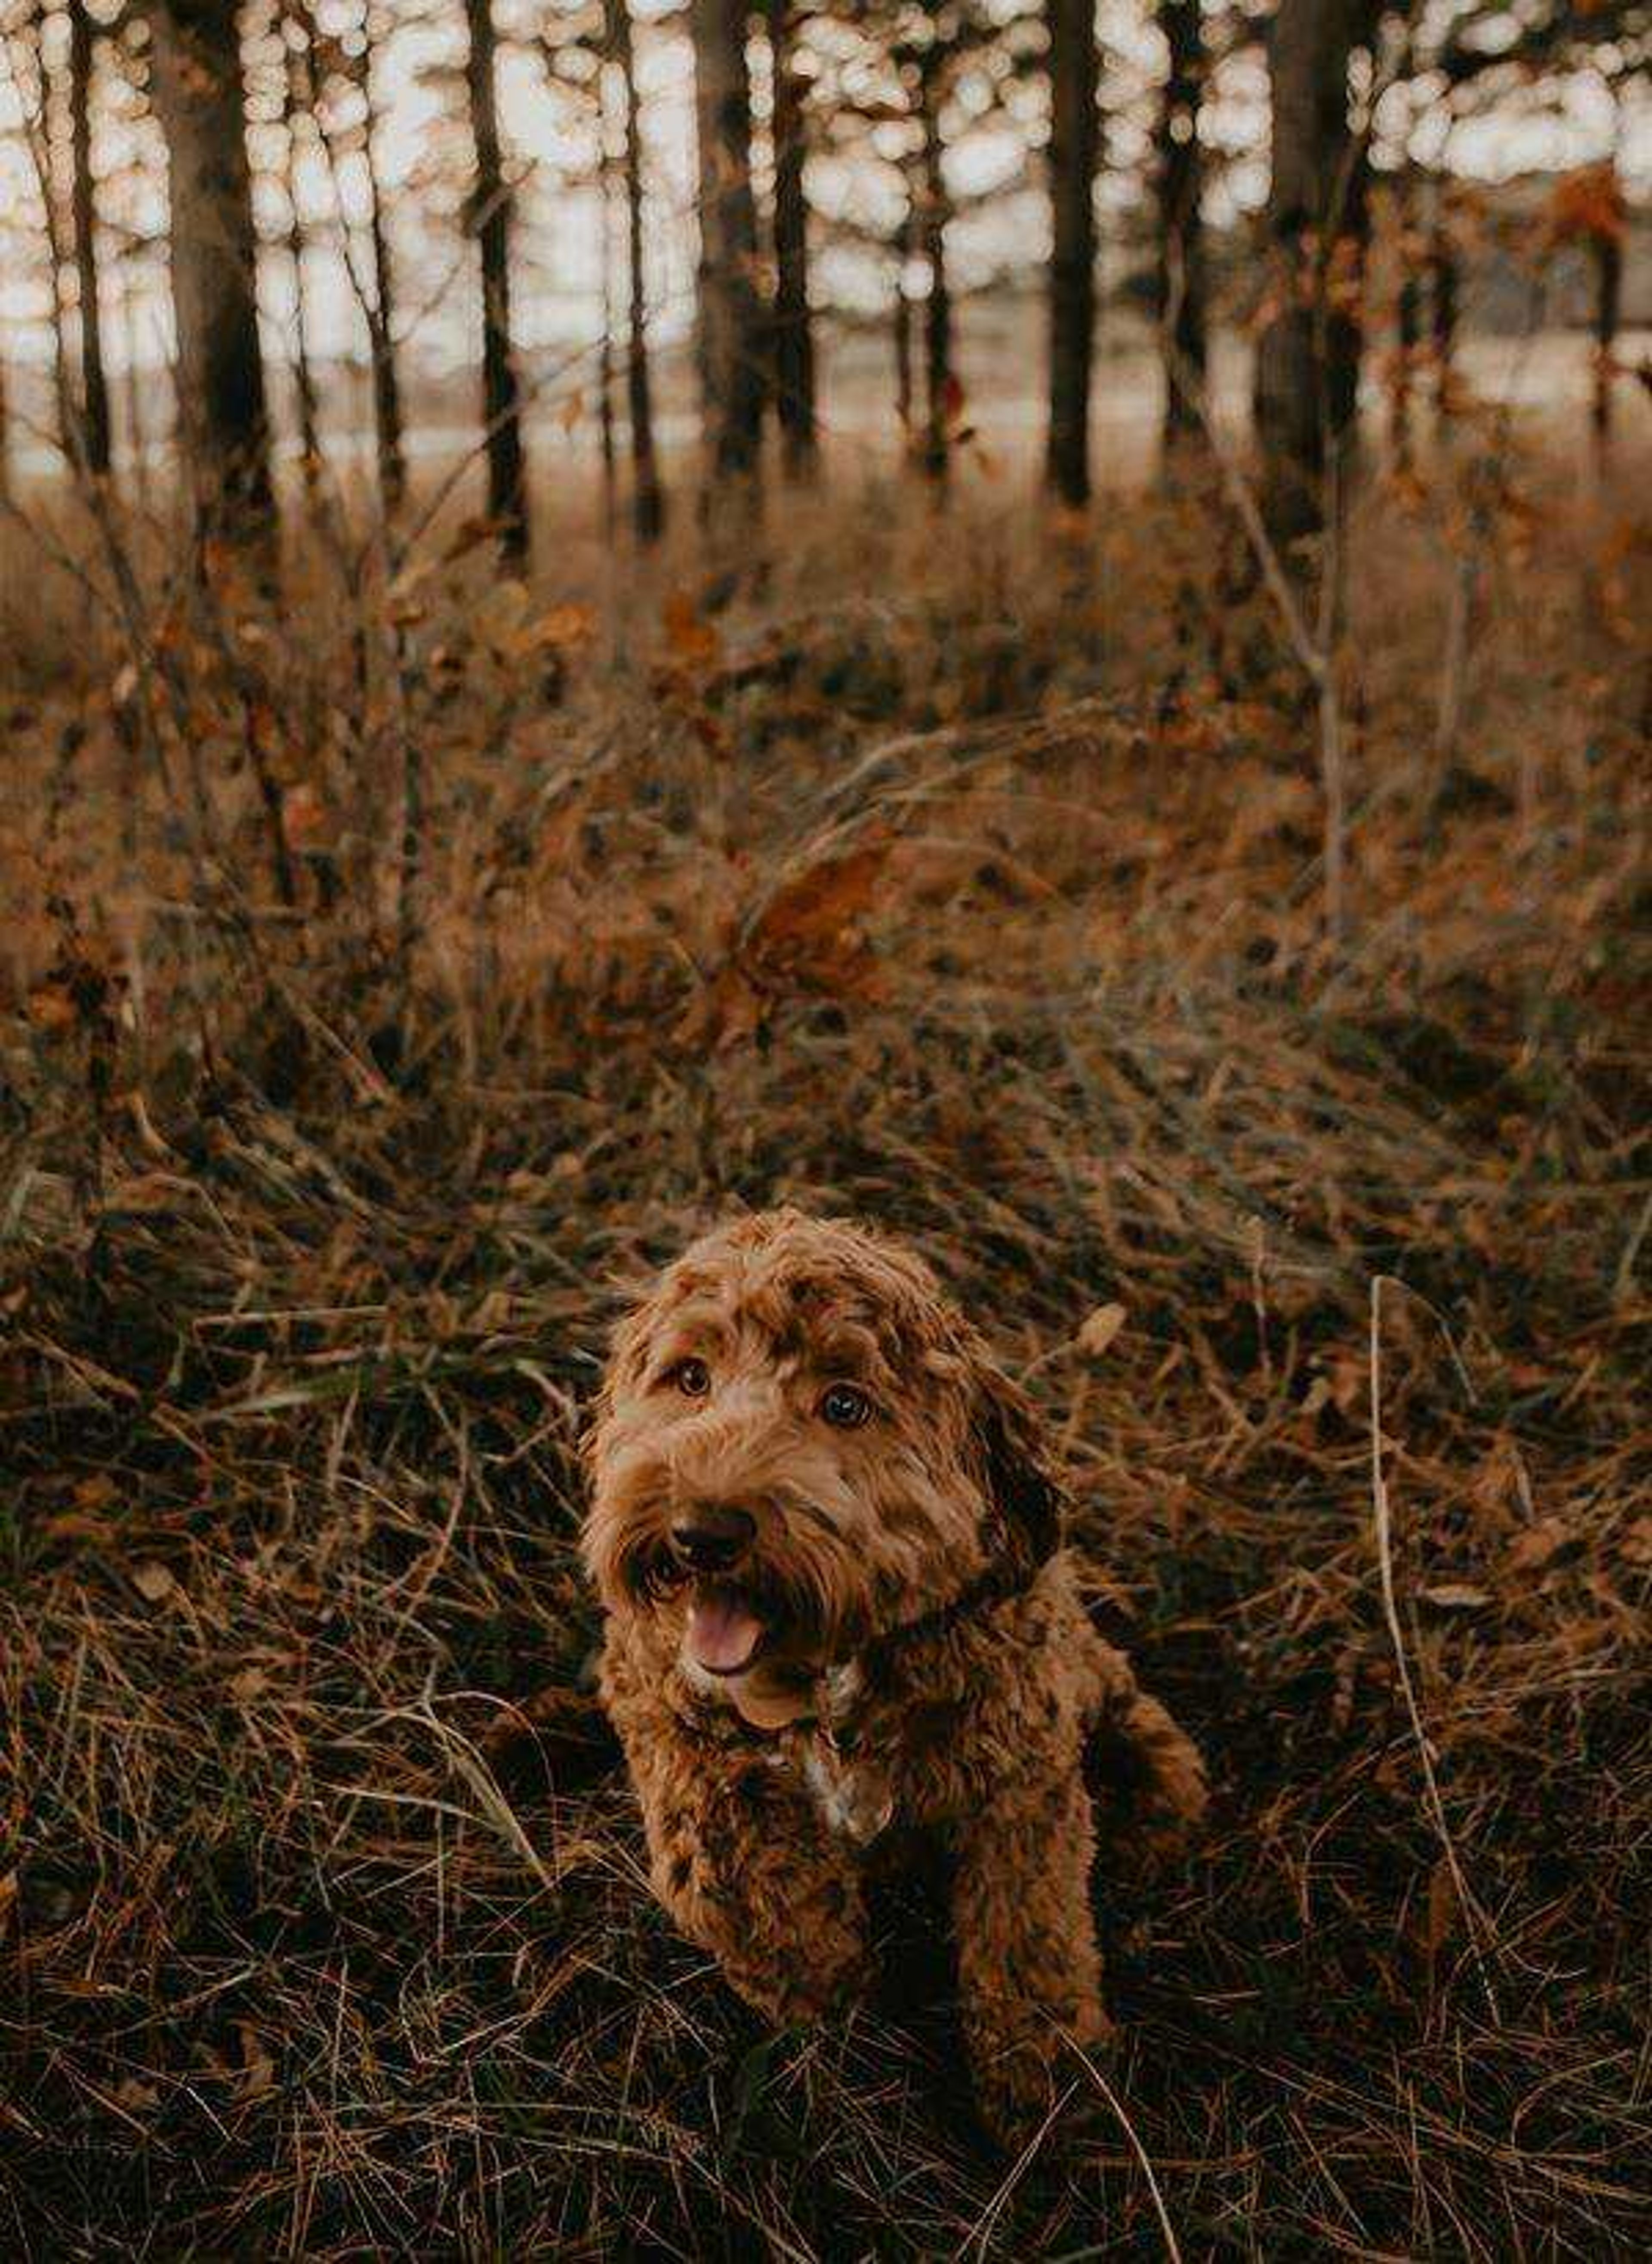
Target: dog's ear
{"type": "Point", "coordinates": [1026, 1499]}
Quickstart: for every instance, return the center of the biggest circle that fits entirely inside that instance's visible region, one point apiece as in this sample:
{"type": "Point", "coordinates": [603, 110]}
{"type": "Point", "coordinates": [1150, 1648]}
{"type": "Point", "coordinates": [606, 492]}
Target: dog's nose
{"type": "Point", "coordinates": [710, 1539]}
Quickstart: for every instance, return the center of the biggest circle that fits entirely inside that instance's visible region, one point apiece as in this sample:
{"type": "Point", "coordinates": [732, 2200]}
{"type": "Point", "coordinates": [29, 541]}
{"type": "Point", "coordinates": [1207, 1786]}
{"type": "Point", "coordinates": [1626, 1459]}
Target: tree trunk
{"type": "Point", "coordinates": [300, 96]}
{"type": "Point", "coordinates": [1075, 152]}
{"type": "Point", "coordinates": [133, 389]}
{"type": "Point", "coordinates": [793, 331]}
{"type": "Point", "coordinates": [1308, 357]}
{"type": "Point", "coordinates": [901, 315]}
{"type": "Point", "coordinates": [1181, 185]}
{"type": "Point", "coordinates": [1442, 273]}
{"type": "Point", "coordinates": [1408, 313]}
{"type": "Point", "coordinates": [1606, 246]}
{"type": "Point", "coordinates": [387, 384]}
{"type": "Point", "coordinates": [56, 211]}
{"type": "Point", "coordinates": [732, 325]}
{"type": "Point", "coordinates": [939, 385]}
{"type": "Point", "coordinates": [647, 497]}
{"type": "Point", "coordinates": [94, 388]}
{"type": "Point", "coordinates": [501, 393]}
{"type": "Point", "coordinates": [224, 414]}
{"type": "Point", "coordinates": [605, 354]}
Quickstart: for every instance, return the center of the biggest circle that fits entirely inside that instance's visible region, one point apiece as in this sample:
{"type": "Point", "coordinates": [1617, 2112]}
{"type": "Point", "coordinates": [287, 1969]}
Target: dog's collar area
{"type": "Point", "coordinates": [827, 1708]}
{"type": "Point", "coordinates": [999, 1584]}
{"type": "Point", "coordinates": [840, 1690]}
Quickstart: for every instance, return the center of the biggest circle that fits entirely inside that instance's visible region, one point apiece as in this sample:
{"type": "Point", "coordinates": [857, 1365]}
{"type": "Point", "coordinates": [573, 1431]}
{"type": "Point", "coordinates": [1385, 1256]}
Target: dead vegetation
{"type": "Point", "coordinates": [991, 908]}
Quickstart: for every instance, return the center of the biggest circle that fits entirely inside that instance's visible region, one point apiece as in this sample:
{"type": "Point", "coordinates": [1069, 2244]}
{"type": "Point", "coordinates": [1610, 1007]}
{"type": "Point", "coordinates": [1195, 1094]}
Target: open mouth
{"type": "Point", "coordinates": [724, 1633]}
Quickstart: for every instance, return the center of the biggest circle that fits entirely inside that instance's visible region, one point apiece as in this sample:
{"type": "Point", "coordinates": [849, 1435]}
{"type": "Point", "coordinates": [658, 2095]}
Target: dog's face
{"type": "Point", "coordinates": [798, 1445]}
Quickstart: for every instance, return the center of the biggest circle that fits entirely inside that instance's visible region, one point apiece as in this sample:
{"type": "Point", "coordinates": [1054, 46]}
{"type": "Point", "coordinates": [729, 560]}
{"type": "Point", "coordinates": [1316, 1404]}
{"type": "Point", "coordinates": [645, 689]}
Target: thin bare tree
{"type": "Point", "coordinates": [1307, 356]}
{"type": "Point", "coordinates": [224, 414]}
{"type": "Point", "coordinates": [379, 300]}
{"type": "Point", "coordinates": [94, 386]}
{"type": "Point", "coordinates": [1075, 153]}
{"type": "Point", "coordinates": [501, 388]}
{"type": "Point", "coordinates": [733, 324]}
{"type": "Point", "coordinates": [1180, 292]}
{"type": "Point", "coordinates": [793, 321]}
{"type": "Point", "coordinates": [933, 209]}
{"type": "Point", "coordinates": [648, 494]}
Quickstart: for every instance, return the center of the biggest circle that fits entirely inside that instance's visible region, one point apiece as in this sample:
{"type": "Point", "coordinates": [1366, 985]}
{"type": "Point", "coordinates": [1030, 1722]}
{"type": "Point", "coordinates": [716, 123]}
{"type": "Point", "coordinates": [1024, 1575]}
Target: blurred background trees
{"type": "Point", "coordinates": [656, 228]}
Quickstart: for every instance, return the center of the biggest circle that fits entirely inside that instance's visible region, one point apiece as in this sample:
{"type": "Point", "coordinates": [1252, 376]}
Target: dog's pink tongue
{"type": "Point", "coordinates": [722, 1633]}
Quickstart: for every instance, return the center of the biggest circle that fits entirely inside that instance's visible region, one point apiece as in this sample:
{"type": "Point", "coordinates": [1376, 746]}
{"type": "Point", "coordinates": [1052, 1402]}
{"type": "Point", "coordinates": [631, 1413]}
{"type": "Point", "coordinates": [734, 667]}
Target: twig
{"type": "Point", "coordinates": [1383, 1522]}
{"type": "Point", "coordinates": [1171, 2247]}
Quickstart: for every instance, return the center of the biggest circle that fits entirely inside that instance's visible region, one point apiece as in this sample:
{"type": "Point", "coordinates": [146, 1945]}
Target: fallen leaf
{"type": "Point", "coordinates": [1532, 1549]}
{"type": "Point", "coordinates": [1635, 1548]}
{"type": "Point", "coordinates": [811, 911]}
{"type": "Point", "coordinates": [1456, 1596]}
{"type": "Point", "coordinates": [152, 1582]}
{"type": "Point", "coordinates": [1097, 1332]}
{"type": "Point", "coordinates": [258, 2069]}
{"type": "Point", "coordinates": [693, 642]}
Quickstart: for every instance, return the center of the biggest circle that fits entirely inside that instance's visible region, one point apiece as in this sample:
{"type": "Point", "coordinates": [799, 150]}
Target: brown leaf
{"type": "Point", "coordinates": [1531, 1550]}
{"type": "Point", "coordinates": [1456, 1596]}
{"type": "Point", "coordinates": [1635, 1548]}
{"type": "Point", "coordinates": [810, 911]}
{"type": "Point", "coordinates": [1588, 203]}
{"type": "Point", "coordinates": [258, 2068]}
{"type": "Point", "coordinates": [303, 816]}
{"type": "Point", "coordinates": [693, 642]}
{"type": "Point", "coordinates": [52, 1007]}
{"type": "Point", "coordinates": [1097, 1332]}
{"type": "Point", "coordinates": [152, 1582]}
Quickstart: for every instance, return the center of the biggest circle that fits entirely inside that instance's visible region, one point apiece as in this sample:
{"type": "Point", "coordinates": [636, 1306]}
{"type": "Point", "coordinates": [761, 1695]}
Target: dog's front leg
{"type": "Point", "coordinates": [741, 1859]}
{"type": "Point", "coordinates": [1029, 1970]}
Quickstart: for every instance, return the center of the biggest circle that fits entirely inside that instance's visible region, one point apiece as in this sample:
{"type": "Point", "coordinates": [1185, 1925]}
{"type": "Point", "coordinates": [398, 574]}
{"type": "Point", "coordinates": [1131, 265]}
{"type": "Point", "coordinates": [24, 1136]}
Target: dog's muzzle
{"type": "Point", "coordinates": [712, 1539]}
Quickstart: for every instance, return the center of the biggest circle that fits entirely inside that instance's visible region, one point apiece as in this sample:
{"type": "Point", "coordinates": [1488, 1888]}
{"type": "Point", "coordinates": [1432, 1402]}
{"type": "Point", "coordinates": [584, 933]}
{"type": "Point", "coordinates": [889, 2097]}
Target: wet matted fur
{"type": "Point", "coordinates": [839, 1609]}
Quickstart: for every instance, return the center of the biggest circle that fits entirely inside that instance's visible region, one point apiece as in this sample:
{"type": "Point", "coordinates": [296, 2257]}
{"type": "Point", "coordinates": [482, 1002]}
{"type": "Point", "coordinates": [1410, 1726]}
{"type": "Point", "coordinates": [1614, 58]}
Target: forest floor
{"type": "Point", "coordinates": [961, 871]}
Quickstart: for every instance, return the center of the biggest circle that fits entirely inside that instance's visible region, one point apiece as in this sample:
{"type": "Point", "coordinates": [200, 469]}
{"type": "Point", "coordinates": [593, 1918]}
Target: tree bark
{"type": "Point", "coordinates": [1075, 153]}
{"type": "Point", "coordinates": [300, 96]}
{"type": "Point", "coordinates": [1442, 274]}
{"type": "Point", "coordinates": [901, 318]}
{"type": "Point", "coordinates": [94, 387]}
{"type": "Point", "coordinates": [1407, 317]}
{"type": "Point", "coordinates": [1181, 185]}
{"type": "Point", "coordinates": [225, 412]}
{"type": "Point", "coordinates": [1308, 357]}
{"type": "Point", "coordinates": [387, 383]}
{"type": "Point", "coordinates": [607, 438]}
{"type": "Point", "coordinates": [501, 390]}
{"type": "Point", "coordinates": [939, 386]}
{"type": "Point", "coordinates": [648, 496]}
{"type": "Point", "coordinates": [1606, 248]}
{"type": "Point", "coordinates": [793, 328]}
{"type": "Point", "coordinates": [731, 318]}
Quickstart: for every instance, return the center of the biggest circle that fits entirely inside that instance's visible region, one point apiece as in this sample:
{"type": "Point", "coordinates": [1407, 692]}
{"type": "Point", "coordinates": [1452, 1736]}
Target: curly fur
{"type": "Point", "coordinates": [924, 1659]}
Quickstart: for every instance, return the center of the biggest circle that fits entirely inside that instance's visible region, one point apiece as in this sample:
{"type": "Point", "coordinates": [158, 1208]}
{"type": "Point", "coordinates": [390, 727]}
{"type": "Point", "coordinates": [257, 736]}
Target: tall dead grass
{"type": "Point", "coordinates": [954, 870]}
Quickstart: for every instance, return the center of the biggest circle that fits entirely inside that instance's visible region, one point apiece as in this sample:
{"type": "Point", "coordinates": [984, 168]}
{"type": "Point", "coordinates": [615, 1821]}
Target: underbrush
{"type": "Point", "coordinates": [960, 873]}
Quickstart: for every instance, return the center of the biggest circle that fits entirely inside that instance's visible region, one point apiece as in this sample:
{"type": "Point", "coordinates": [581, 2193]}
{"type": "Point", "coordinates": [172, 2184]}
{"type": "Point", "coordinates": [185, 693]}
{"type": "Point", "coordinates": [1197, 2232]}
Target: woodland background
{"type": "Point", "coordinates": [1027, 620]}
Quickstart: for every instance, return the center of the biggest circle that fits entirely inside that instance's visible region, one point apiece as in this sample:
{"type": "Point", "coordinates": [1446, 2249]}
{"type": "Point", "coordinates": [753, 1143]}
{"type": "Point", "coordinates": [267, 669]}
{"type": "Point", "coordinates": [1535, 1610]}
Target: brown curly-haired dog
{"type": "Point", "coordinates": [838, 1603]}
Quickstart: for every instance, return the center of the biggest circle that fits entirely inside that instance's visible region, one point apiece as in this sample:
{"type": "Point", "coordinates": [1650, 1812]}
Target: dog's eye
{"type": "Point", "coordinates": [691, 1377]}
{"type": "Point", "coordinates": [844, 1408]}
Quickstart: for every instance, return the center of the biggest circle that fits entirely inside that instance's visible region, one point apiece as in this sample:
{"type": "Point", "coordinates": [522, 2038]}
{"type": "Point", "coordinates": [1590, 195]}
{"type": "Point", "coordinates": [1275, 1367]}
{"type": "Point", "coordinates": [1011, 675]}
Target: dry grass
{"type": "Point", "coordinates": [963, 876]}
